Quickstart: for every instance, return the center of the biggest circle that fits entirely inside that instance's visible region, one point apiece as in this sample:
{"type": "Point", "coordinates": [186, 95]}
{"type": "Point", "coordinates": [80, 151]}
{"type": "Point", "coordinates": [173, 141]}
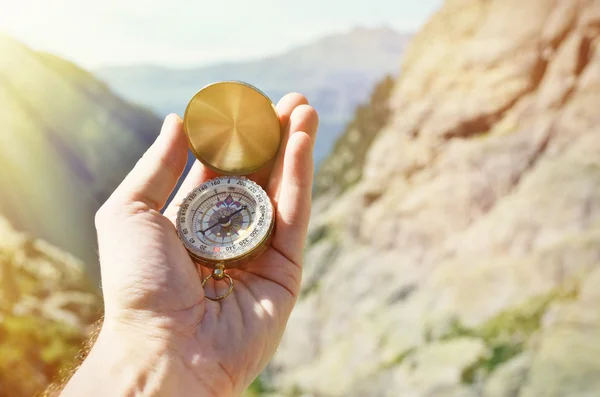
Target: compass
{"type": "Point", "coordinates": [226, 220]}
{"type": "Point", "coordinates": [233, 129]}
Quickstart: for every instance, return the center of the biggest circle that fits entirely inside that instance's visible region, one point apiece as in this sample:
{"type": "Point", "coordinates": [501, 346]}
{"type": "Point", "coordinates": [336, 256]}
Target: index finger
{"type": "Point", "coordinates": [197, 175]}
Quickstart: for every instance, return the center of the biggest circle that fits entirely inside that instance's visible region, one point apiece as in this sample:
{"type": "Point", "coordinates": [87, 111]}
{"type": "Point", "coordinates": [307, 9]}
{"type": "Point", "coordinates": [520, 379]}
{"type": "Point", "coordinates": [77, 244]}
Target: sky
{"type": "Point", "coordinates": [184, 33]}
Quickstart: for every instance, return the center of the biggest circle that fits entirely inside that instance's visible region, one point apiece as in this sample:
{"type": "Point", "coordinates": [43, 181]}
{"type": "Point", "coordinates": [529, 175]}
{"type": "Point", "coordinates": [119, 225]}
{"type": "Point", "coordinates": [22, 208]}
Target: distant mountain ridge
{"type": "Point", "coordinates": [336, 73]}
{"type": "Point", "coordinates": [66, 142]}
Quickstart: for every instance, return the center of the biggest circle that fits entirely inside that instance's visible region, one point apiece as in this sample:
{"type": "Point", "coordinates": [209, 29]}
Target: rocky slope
{"type": "Point", "coordinates": [335, 72]}
{"type": "Point", "coordinates": [66, 142]}
{"type": "Point", "coordinates": [343, 166]}
{"type": "Point", "coordinates": [46, 309]}
{"type": "Point", "coordinates": [465, 261]}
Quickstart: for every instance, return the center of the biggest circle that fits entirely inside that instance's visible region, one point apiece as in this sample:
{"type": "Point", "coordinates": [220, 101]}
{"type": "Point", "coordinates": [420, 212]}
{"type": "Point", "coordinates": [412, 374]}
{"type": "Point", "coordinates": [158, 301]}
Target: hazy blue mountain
{"type": "Point", "coordinates": [336, 73]}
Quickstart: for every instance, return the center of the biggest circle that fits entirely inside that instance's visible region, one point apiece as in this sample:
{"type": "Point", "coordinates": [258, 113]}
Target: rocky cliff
{"type": "Point", "coordinates": [66, 142]}
{"type": "Point", "coordinates": [47, 307]}
{"type": "Point", "coordinates": [465, 260]}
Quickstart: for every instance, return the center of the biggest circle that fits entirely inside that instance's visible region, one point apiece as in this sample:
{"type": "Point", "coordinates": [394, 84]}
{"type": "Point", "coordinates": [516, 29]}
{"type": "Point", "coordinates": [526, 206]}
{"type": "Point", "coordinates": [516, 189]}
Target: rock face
{"type": "Point", "coordinates": [66, 142]}
{"type": "Point", "coordinates": [47, 306]}
{"type": "Point", "coordinates": [465, 261]}
{"type": "Point", "coordinates": [343, 167]}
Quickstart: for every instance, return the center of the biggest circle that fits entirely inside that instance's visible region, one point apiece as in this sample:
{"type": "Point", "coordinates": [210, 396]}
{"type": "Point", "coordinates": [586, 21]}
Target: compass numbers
{"type": "Point", "coordinates": [224, 219]}
{"type": "Point", "coordinates": [260, 224]}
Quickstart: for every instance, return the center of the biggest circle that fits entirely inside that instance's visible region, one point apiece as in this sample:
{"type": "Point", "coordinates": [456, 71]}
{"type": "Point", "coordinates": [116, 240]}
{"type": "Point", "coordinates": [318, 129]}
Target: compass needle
{"type": "Point", "coordinates": [227, 231]}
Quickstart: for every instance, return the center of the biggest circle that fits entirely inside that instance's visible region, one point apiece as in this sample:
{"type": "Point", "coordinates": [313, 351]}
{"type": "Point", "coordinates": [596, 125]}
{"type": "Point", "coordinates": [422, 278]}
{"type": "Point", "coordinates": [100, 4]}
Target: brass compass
{"type": "Point", "coordinates": [232, 128]}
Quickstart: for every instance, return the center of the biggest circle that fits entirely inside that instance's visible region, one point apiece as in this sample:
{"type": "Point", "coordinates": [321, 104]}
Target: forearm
{"type": "Point", "coordinates": [133, 365]}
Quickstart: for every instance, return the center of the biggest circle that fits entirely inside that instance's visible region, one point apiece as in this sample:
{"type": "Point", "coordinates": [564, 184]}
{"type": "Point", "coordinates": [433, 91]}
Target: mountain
{"type": "Point", "coordinates": [47, 308]}
{"type": "Point", "coordinates": [342, 168]}
{"type": "Point", "coordinates": [66, 142]}
{"type": "Point", "coordinates": [336, 73]}
{"type": "Point", "coordinates": [459, 255]}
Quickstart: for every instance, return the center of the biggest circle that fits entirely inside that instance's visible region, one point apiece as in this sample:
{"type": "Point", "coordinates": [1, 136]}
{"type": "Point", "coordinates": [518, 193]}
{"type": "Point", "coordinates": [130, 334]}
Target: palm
{"type": "Point", "coordinates": [243, 330]}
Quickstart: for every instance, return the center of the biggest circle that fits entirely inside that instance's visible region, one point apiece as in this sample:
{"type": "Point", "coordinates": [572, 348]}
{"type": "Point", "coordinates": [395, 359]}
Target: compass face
{"type": "Point", "coordinates": [225, 219]}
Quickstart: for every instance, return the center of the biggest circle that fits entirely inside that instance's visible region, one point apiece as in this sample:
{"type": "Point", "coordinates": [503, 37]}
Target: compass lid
{"type": "Point", "coordinates": [232, 127]}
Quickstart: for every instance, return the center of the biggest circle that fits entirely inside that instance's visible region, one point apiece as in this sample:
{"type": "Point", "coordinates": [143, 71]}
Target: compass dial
{"type": "Point", "coordinates": [225, 220]}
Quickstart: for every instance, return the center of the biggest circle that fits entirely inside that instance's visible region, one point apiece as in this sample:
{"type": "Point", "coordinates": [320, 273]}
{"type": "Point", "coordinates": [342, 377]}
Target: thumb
{"type": "Point", "coordinates": [155, 175]}
{"type": "Point", "coordinates": [129, 223]}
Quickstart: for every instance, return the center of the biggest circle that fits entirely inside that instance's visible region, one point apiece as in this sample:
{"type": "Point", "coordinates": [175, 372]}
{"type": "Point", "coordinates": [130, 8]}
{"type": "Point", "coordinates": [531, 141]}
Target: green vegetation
{"type": "Point", "coordinates": [508, 333]}
{"type": "Point", "coordinates": [33, 352]}
{"type": "Point", "coordinates": [256, 388]}
{"type": "Point", "coordinates": [399, 359]}
{"type": "Point", "coordinates": [328, 235]}
{"type": "Point", "coordinates": [343, 167]}
{"type": "Point", "coordinates": [319, 234]}
{"type": "Point", "coordinates": [46, 308]}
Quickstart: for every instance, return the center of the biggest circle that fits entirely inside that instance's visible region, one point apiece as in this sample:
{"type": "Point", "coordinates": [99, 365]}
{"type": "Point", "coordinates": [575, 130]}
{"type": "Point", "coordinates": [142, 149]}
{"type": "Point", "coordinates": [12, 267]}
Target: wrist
{"type": "Point", "coordinates": [124, 362]}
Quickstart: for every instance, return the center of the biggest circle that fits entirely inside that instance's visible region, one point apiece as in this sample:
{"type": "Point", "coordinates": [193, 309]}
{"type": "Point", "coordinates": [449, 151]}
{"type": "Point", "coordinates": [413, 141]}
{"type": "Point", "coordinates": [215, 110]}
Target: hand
{"type": "Point", "coordinates": [161, 336]}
